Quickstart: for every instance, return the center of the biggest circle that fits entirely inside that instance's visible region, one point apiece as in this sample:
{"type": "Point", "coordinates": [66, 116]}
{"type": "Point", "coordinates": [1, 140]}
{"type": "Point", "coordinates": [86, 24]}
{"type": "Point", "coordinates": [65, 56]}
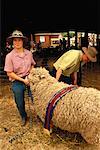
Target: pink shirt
{"type": "Point", "coordinates": [20, 65]}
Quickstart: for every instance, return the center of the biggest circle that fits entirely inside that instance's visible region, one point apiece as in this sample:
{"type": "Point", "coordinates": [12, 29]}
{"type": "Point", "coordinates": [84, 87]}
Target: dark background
{"type": "Point", "coordinates": [49, 16]}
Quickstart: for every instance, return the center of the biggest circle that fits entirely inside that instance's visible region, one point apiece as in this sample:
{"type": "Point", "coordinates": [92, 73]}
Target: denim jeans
{"type": "Point", "coordinates": [63, 78]}
{"type": "Point", "coordinates": [18, 89]}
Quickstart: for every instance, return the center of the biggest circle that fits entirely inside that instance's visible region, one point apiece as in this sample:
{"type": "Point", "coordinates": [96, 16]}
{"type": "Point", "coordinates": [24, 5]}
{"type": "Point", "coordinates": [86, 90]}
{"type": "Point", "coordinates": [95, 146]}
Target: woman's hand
{"type": "Point", "coordinates": [26, 81]}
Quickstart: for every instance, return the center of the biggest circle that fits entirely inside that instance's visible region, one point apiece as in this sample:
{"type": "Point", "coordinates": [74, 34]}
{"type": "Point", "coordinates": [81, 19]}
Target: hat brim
{"type": "Point", "coordinates": [92, 59]}
{"type": "Point", "coordinates": [10, 38]}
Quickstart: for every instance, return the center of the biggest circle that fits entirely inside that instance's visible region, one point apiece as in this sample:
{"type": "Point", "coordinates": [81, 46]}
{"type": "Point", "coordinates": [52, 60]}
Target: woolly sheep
{"type": "Point", "coordinates": [77, 111]}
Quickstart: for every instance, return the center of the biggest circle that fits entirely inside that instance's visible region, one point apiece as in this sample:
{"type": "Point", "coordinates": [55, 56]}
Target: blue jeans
{"type": "Point", "coordinates": [63, 78]}
{"type": "Point", "coordinates": [18, 89]}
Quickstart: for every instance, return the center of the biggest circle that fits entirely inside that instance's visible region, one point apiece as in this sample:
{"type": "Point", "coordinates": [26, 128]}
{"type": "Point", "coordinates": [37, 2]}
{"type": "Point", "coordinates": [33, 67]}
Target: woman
{"type": "Point", "coordinates": [18, 64]}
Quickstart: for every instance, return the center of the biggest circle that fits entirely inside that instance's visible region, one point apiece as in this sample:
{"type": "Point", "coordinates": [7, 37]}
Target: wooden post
{"type": "Point", "coordinates": [76, 39]}
{"type": "Point", "coordinates": [31, 37]}
{"type": "Point", "coordinates": [68, 40]}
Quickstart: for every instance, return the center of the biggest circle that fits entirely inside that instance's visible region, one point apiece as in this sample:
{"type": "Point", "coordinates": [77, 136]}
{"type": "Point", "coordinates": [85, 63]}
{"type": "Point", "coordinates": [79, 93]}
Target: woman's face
{"type": "Point", "coordinates": [18, 43]}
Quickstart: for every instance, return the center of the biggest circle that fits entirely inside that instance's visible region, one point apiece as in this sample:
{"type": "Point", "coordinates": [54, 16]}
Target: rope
{"type": "Point", "coordinates": [30, 101]}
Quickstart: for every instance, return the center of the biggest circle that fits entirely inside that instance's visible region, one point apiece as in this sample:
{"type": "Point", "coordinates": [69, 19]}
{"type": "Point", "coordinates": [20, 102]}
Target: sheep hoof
{"type": "Point", "coordinates": [46, 131]}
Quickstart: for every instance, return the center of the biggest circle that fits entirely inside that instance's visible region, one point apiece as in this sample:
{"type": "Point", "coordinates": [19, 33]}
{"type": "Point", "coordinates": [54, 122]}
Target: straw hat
{"type": "Point", "coordinates": [17, 34]}
{"type": "Point", "coordinates": [91, 53]}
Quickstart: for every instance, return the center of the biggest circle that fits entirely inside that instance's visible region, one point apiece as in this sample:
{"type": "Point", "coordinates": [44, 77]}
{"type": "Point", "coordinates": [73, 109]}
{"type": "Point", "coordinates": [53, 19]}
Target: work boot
{"type": "Point", "coordinates": [24, 121]}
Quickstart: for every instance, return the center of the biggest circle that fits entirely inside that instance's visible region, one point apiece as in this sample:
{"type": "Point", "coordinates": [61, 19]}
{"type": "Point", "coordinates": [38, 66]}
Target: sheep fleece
{"type": "Point", "coordinates": [77, 111]}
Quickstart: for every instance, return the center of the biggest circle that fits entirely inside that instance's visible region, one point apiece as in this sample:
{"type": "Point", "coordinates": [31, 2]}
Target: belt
{"type": "Point", "coordinates": [23, 77]}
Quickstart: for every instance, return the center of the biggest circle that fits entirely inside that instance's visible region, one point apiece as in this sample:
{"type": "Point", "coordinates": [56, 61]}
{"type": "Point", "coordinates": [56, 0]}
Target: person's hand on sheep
{"type": "Point", "coordinates": [26, 81]}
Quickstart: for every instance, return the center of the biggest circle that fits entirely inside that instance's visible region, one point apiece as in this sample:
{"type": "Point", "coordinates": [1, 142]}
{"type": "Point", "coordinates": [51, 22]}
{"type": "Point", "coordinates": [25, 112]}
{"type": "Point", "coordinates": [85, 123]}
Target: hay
{"type": "Point", "coordinates": [14, 137]}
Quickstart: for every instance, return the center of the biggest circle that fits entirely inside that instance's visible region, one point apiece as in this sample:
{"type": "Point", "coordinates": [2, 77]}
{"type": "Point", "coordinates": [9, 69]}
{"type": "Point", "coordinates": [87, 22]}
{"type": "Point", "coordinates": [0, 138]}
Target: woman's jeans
{"type": "Point", "coordinates": [18, 89]}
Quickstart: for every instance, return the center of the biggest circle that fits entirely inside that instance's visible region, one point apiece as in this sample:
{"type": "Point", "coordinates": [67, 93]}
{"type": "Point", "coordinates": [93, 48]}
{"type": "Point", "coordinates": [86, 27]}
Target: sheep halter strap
{"type": "Point", "coordinates": [53, 102]}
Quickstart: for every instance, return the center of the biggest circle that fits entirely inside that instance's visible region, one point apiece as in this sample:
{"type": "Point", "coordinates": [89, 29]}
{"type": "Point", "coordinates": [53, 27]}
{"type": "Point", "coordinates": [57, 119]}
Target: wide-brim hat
{"type": "Point", "coordinates": [91, 53]}
{"type": "Point", "coordinates": [17, 34]}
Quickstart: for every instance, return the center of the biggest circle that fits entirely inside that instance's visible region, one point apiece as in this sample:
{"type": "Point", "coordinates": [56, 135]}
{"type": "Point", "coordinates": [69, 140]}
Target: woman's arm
{"type": "Point", "coordinates": [16, 77]}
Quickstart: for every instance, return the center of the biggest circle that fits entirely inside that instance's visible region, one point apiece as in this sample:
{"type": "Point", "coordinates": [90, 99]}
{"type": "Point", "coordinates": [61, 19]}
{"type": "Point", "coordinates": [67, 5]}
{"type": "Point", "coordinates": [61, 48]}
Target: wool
{"type": "Point", "coordinates": [77, 111]}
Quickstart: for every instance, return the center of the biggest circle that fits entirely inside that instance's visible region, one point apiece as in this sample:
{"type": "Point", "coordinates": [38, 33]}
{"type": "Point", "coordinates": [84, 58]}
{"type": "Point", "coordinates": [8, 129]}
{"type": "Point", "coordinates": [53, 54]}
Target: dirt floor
{"type": "Point", "coordinates": [32, 137]}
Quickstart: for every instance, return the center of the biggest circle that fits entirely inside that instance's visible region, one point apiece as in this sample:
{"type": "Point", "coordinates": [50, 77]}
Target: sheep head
{"type": "Point", "coordinates": [37, 74]}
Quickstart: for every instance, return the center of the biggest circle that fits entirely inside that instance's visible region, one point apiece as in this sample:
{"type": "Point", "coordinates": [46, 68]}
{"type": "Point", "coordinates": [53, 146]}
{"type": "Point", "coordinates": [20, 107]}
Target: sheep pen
{"type": "Point", "coordinates": [77, 111]}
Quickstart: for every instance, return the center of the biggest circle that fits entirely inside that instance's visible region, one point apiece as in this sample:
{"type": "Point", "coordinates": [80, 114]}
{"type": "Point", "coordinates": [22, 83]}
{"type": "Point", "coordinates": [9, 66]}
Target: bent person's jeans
{"type": "Point", "coordinates": [18, 89]}
{"type": "Point", "coordinates": [62, 78]}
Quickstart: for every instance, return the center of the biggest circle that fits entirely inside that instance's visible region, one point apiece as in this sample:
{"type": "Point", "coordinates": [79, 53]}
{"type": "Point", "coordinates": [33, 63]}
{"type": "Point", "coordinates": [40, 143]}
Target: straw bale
{"type": "Point", "coordinates": [77, 111]}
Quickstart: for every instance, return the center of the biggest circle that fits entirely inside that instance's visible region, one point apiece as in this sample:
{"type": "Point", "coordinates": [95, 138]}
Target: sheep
{"type": "Point", "coordinates": [77, 111]}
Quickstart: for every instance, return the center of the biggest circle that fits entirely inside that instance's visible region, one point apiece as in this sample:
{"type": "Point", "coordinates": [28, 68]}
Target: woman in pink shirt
{"type": "Point", "coordinates": [18, 64]}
